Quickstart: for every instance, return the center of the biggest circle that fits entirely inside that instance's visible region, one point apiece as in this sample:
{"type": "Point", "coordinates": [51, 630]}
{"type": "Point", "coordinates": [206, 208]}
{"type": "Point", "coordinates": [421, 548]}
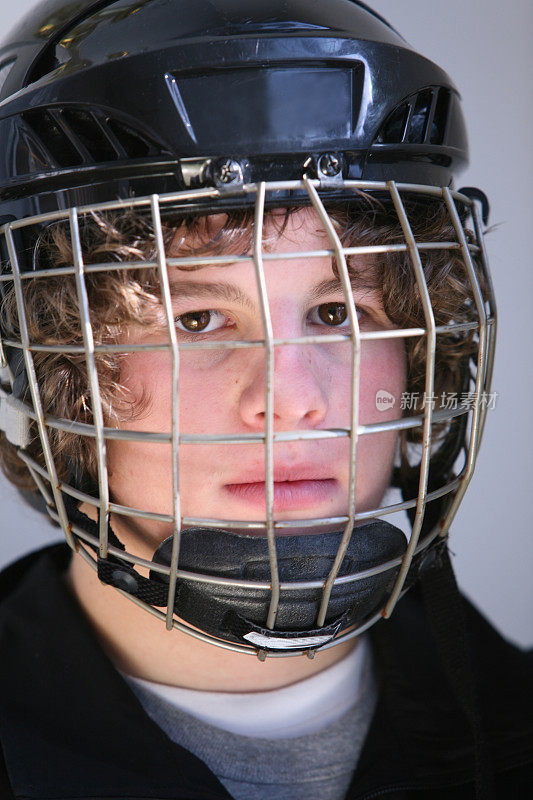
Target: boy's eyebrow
{"type": "Point", "coordinates": [335, 285]}
{"type": "Point", "coordinates": [220, 290]}
{"type": "Point", "coordinates": [234, 294]}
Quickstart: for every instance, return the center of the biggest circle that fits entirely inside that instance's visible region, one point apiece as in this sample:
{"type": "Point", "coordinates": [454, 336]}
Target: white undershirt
{"type": "Point", "coordinates": [300, 709]}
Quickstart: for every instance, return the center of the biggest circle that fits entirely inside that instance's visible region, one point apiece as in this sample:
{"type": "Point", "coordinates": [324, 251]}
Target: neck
{"type": "Point", "coordinates": [139, 645]}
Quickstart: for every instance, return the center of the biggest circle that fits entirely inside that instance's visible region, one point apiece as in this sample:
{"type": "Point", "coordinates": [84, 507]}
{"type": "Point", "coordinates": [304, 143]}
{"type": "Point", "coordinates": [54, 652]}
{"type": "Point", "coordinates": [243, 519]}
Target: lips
{"type": "Point", "coordinates": [294, 488]}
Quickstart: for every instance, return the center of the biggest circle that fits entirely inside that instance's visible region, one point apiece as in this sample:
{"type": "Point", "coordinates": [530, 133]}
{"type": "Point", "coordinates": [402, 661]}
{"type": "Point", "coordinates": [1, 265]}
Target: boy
{"type": "Point", "coordinates": [330, 333]}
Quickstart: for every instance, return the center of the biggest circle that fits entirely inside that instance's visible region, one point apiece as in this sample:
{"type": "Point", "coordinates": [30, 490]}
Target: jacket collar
{"type": "Point", "coordinates": [89, 731]}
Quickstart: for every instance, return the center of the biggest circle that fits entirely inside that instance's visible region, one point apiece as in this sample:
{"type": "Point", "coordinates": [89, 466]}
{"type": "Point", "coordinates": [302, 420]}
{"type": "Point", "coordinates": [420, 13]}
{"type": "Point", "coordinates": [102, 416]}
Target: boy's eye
{"type": "Point", "coordinates": [200, 321]}
{"type": "Point", "coordinates": [332, 314]}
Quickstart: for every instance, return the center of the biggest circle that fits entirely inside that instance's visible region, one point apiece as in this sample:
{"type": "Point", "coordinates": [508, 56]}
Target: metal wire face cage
{"type": "Point", "coordinates": [88, 510]}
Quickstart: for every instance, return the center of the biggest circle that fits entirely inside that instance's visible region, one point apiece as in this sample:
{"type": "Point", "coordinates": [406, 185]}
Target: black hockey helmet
{"type": "Point", "coordinates": [199, 102]}
{"type": "Point", "coordinates": [104, 99]}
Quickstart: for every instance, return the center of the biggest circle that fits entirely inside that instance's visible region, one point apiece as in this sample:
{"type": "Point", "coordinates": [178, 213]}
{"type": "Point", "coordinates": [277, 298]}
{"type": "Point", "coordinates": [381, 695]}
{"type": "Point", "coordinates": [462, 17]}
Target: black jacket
{"type": "Point", "coordinates": [70, 727]}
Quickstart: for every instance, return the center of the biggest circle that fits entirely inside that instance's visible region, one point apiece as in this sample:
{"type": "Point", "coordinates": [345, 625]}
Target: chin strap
{"type": "Point", "coordinates": [265, 639]}
{"type": "Point", "coordinates": [445, 607]}
{"type": "Point", "coordinates": [119, 573]}
{"type": "Point", "coordinates": [114, 570]}
{"type": "Point", "coordinates": [234, 607]}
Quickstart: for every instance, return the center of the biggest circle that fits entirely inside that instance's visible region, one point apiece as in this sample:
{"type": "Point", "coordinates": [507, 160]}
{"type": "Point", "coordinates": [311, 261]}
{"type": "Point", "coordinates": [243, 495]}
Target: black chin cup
{"type": "Point", "coordinates": [239, 614]}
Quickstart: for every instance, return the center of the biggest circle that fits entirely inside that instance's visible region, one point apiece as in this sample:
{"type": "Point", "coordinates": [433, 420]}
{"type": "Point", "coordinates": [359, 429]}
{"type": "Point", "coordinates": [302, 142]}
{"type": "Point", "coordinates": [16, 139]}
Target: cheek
{"type": "Point", "coordinates": [383, 379]}
{"type": "Point", "coordinates": [206, 399]}
{"type": "Point", "coordinates": [147, 380]}
{"type": "Point", "coordinates": [205, 402]}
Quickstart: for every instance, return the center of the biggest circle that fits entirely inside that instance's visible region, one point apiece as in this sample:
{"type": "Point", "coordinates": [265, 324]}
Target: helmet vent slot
{"type": "Point", "coordinates": [73, 137]}
{"type": "Point", "coordinates": [90, 135]}
{"type": "Point", "coordinates": [46, 126]}
{"type": "Point", "coordinates": [133, 144]}
{"type": "Point", "coordinates": [393, 130]}
{"type": "Point", "coordinates": [440, 118]}
{"type": "Point", "coordinates": [421, 119]}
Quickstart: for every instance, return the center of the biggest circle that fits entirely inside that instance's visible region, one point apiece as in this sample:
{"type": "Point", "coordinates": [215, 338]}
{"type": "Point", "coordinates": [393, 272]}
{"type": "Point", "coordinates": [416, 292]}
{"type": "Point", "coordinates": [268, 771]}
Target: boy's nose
{"type": "Point", "coordinates": [300, 397]}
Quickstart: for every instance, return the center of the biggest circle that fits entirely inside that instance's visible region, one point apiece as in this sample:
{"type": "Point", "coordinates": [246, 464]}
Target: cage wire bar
{"type": "Point", "coordinates": [473, 444]}
{"type": "Point", "coordinates": [431, 343]}
{"type": "Point", "coordinates": [4, 364]}
{"type": "Point", "coordinates": [482, 365]}
{"type": "Point", "coordinates": [94, 387]}
{"type": "Point", "coordinates": [240, 582]}
{"type": "Point", "coordinates": [34, 390]}
{"type": "Point", "coordinates": [340, 259]}
{"type": "Point", "coordinates": [492, 319]}
{"type": "Point", "coordinates": [124, 434]}
{"type": "Point", "coordinates": [170, 198]}
{"type": "Point", "coordinates": [266, 320]}
{"type": "Point", "coordinates": [169, 316]}
{"type": "Point", "coordinates": [396, 333]}
{"type": "Point", "coordinates": [205, 522]}
{"type": "Point", "coordinates": [110, 266]}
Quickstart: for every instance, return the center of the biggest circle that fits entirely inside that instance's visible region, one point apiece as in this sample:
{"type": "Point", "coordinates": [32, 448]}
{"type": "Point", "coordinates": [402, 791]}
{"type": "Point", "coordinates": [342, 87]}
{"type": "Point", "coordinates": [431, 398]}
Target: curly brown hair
{"type": "Point", "coordinates": [131, 296]}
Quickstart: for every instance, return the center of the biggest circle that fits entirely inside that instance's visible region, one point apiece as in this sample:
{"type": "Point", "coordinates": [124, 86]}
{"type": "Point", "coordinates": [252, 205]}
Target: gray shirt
{"type": "Point", "coordinates": [319, 765]}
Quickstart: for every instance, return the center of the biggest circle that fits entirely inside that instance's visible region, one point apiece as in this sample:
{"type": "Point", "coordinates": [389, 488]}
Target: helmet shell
{"type": "Point", "coordinates": [107, 99]}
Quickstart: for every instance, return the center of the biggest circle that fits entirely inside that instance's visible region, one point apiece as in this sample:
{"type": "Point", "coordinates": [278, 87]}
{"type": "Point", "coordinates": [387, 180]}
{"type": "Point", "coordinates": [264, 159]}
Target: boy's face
{"type": "Point", "coordinates": [223, 392]}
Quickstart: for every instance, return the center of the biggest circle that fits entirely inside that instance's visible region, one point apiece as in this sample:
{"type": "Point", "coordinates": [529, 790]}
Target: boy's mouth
{"type": "Point", "coordinates": [293, 488]}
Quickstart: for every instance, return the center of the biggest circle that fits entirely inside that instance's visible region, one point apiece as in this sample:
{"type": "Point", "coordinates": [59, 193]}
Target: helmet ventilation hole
{"type": "Point", "coordinates": [77, 137]}
{"type": "Point", "coordinates": [421, 119]}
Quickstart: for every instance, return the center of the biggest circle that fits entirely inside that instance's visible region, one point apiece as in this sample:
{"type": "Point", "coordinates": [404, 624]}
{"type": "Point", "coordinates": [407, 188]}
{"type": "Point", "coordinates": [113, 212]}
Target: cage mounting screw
{"type": "Point", "coordinates": [229, 171]}
{"type": "Point", "coordinates": [329, 164]}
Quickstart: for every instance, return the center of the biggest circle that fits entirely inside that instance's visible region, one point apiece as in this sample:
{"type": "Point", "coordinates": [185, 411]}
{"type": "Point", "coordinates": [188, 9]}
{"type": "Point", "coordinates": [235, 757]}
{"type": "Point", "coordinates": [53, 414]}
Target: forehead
{"type": "Point", "coordinates": [299, 229]}
{"type": "Point", "coordinates": [284, 230]}
{"type": "Point", "coordinates": [296, 256]}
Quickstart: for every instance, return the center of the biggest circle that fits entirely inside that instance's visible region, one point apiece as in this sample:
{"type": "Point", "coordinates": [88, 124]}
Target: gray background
{"type": "Point", "coordinates": [486, 47]}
